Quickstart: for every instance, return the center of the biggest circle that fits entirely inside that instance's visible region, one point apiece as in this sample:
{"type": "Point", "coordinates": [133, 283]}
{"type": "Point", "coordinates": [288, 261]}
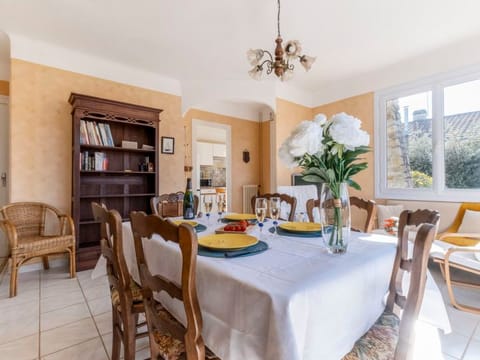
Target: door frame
{"type": "Point", "coordinates": [195, 163]}
{"type": "Point", "coordinates": [4, 100]}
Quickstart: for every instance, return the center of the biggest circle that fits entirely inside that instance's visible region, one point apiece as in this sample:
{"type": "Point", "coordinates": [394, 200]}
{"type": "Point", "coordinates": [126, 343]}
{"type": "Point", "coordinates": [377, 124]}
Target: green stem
{"type": "Point", "coordinates": [336, 236]}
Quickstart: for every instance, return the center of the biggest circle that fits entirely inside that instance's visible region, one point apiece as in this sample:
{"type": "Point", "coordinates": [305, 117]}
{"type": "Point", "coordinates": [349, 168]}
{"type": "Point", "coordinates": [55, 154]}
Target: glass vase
{"type": "Point", "coordinates": [335, 217]}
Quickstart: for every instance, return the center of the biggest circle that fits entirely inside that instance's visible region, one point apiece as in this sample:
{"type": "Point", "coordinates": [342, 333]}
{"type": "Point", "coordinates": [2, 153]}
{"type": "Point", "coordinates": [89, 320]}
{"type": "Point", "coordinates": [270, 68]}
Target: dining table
{"type": "Point", "coordinates": [293, 301]}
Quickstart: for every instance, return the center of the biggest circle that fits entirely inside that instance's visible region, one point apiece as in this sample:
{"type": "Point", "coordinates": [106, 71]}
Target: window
{"type": "Point", "coordinates": [427, 143]}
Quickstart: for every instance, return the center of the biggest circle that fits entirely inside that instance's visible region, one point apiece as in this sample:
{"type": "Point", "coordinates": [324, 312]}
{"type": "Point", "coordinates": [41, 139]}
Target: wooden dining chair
{"type": "Point", "coordinates": [368, 205]}
{"type": "Point", "coordinates": [284, 198]}
{"type": "Point", "coordinates": [169, 339]}
{"type": "Point", "coordinates": [391, 337]}
{"type": "Point", "coordinates": [170, 205]}
{"type": "Point", "coordinates": [126, 296]}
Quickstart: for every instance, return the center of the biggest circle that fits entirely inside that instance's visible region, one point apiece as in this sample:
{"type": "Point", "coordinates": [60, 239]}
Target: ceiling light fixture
{"type": "Point", "coordinates": [282, 64]}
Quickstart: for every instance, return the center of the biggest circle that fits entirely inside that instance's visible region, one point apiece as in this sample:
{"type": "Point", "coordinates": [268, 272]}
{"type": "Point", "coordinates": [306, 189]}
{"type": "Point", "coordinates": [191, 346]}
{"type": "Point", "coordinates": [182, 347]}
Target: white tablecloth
{"type": "Point", "coordinates": [294, 301]}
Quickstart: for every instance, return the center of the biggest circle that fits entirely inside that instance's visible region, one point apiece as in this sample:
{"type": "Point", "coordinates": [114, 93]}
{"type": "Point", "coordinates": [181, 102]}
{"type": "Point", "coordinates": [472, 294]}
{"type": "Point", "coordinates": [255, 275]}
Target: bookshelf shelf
{"type": "Point", "coordinates": [114, 148]}
{"type": "Point", "coordinates": [102, 196]}
{"type": "Point", "coordinates": [114, 175]}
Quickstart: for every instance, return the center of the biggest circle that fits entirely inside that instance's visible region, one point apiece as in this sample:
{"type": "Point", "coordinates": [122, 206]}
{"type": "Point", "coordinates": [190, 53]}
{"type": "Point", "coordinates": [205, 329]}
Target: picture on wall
{"type": "Point", "coordinates": [168, 145]}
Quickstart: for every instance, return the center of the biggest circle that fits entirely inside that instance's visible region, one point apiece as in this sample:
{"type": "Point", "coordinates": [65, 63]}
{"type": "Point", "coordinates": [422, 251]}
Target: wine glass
{"type": "Point", "coordinates": [260, 212]}
{"type": "Point", "coordinates": [275, 212]}
{"type": "Point", "coordinates": [207, 202]}
{"type": "Point", "coordinates": [220, 205]}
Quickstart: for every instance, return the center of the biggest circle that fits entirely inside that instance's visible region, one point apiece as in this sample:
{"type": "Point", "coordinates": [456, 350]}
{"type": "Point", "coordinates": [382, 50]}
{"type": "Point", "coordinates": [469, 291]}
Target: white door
{"type": "Point", "coordinates": [3, 150]}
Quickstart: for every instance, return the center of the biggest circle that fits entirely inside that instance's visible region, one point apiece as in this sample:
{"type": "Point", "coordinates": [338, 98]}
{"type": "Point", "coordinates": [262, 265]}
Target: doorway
{"type": "Point", "coordinates": [211, 158]}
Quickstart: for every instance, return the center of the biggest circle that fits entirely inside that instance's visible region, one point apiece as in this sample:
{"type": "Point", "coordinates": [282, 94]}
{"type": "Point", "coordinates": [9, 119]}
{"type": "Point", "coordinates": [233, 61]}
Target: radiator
{"type": "Point", "coordinates": [249, 191]}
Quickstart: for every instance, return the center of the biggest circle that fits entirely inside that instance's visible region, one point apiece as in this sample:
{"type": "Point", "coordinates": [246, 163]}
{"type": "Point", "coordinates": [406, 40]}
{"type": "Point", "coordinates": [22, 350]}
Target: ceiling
{"type": "Point", "coordinates": [205, 40]}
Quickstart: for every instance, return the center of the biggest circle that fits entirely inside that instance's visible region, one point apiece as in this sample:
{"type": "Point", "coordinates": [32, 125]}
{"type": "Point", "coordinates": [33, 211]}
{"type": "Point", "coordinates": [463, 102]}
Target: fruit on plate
{"type": "Point", "coordinates": [239, 226]}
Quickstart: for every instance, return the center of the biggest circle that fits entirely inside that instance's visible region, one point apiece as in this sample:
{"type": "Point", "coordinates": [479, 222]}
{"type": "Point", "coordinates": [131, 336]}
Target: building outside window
{"type": "Point", "coordinates": [428, 140]}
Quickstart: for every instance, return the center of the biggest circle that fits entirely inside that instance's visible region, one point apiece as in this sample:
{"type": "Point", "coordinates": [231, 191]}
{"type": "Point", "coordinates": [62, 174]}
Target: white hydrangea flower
{"type": "Point", "coordinates": [345, 130]}
{"type": "Point", "coordinates": [306, 138]}
{"type": "Point", "coordinates": [320, 119]}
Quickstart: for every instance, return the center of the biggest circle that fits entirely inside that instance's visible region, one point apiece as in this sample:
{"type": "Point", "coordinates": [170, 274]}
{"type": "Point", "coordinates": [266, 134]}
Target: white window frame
{"type": "Point", "coordinates": [438, 192]}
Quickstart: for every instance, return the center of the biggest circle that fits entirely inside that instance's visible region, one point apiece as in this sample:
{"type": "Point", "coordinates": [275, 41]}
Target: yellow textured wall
{"type": "Point", "coordinates": [40, 130]}
{"type": "Point", "coordinates": [4, 88]}
{"type": "Point", "coordinates": [360, 106]}
{"type": "Point", "coordinates": [245, 135]}
{"type": "Point", "coordinates": [288, 116]}
{"type": "Point", "coordinates": [265, 151]}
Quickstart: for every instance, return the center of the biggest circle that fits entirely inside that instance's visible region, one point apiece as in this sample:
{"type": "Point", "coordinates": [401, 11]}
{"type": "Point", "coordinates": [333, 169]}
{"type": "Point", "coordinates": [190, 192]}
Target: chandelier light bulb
{"type": "Point", "coordinates": [307, 61]}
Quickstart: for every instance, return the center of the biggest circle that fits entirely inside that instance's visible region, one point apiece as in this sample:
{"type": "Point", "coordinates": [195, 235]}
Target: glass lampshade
{"type": "Point", "coordinates": [254, 56]}
{"type": "Point", "coordinates": [287, 75]}
{"type": "Point", "coordinates": [307, 61]}
{"type": "Point", "coordinates": [256, 73]}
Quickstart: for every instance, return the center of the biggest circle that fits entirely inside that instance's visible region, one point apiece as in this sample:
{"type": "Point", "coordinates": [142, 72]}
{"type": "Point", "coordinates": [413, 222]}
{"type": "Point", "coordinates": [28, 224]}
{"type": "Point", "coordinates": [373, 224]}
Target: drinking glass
{"type": "Point", "coordinates": [207, 202]}
{"type": "Point", "coordinates": [275, 212]}
{"type": "Point", "coordinates": [260, 212]}
{"type": "Point", "coordinates": [221, 204]}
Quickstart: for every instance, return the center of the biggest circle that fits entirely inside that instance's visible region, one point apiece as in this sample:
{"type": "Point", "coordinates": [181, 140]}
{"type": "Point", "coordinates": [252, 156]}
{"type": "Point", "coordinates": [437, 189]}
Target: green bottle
{"type": "Point", "coordinates": [188, 202]}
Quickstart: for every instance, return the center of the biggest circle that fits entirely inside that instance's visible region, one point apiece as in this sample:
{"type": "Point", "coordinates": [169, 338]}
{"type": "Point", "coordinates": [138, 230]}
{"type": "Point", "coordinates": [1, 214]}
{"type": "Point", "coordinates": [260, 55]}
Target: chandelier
{"type": "Point", "coordinates": [282, 64]}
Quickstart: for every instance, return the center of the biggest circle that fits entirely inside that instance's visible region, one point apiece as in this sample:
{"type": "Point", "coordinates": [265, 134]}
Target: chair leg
{"type": "Point", "coordinates": [129, 332]}
{"type": "Point", "coordinates": [116, 336]}
{"type": "Point", "coordinates": [451, 295]}
{"type": "Point", "coordinates": [73, 265]}
{"type": "Point", "coordinates": [46, 265]}
{"type": "Point", "coordinates": [13, 277]}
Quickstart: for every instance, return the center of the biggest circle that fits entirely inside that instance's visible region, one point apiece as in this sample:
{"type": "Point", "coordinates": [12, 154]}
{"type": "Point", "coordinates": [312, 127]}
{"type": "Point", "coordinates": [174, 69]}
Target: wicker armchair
{"type": "Point", "coordinates": [24, 224]}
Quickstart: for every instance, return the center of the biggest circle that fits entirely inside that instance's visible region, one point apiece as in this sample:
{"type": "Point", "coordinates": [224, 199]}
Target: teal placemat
{"type": "Point", "coordinates": [252, 222]}
{"type": "Point", "coordinates": [296, 234]}
{"type": "Point", "coordinates": [200, 228]}
{"type": "Point", "coordinates": [259, 247]}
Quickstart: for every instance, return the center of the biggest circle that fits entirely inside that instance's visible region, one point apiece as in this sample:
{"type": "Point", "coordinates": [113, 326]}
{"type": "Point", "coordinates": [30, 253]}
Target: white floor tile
{"type": "Point", "coordinates": [63, 316]}
{"type": "Point", "coordinates": [91, 350]}
{"type": "Point", "coordinates": [104, 322]}
{"type": "Point", "coordinates": [454, 344]}
{"type": "Point", "coordinates": [473, 351]}
{"type": "Point", "coordinates": [100, 291]}
{"type": "Point", "coordinates": [25, 348]}
{"type": "Point", "coordinates": [20, 327]}
{"type": "Point", "coordinates": [462, 322]}
{"type": "Point", "coordinates": [60, 288]}
{"type": "Point", "coordinates": [68, 335]}
{"type": "Point", "coordinates": [100, 306]}
{"type": "Point", "coordinates": [66, 299]}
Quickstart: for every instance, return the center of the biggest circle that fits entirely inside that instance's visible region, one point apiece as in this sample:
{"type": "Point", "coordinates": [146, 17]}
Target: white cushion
{"type": "Point", "coordinates": [387, 211]}
{"type": "Point", "coordinates": [470, 222]}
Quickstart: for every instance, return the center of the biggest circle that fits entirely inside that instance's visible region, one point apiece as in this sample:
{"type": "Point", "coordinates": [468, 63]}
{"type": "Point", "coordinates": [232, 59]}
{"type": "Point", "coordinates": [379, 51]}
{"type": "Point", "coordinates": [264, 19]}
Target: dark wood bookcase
{"type": "Point", "coordinates": [125, 182]}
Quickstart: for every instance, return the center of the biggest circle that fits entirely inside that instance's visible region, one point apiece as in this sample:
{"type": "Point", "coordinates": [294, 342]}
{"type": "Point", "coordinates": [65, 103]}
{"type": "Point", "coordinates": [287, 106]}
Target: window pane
{"type": "Point", "coordinates": [461, 125]}
{"type": "Point", "coordinates": [409, 141]}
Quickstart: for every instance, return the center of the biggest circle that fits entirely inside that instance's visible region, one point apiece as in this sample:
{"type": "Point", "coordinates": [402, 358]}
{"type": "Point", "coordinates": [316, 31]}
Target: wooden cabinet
{"type": "Point", "coordinates": [123, 178]}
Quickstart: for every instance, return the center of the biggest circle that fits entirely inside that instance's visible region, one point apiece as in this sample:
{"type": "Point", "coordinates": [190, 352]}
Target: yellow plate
{"type": "Point", "coordinates": [238, 217]}
{"type": "Point", "coordinates": [300, 227]}
{"type": "Point", "coordinates": [178, 222]}
{"type": "Point", "coordinates": [227, 241]}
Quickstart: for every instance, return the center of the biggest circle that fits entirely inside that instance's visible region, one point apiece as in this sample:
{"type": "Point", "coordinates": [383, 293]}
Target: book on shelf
{"type": "Point", "coordinates": [97, 134]}
{"type": "Point", "coordinates": [96, 161]}
{"type": "Point", "coordinates": [83, 133]}
{"type": "Point", "coordinates": [103, 134]}
{"type": "Point", "coordinates": [109, 135]}
{"type": "Point", "coordinates": [91, 133]}
{"type": "Point", "coordinates": [147, 147]}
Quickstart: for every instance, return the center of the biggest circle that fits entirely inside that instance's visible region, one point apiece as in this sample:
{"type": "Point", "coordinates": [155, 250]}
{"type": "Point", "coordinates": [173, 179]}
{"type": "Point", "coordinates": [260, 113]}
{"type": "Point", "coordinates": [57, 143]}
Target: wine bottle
{"type": "Point", "coordinates": [188, 202]}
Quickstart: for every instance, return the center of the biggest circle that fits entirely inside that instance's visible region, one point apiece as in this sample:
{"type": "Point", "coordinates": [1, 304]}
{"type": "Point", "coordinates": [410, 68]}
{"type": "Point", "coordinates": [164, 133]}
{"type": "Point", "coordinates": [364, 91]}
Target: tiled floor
{"type": "Point", "coordinates": [54, 317]}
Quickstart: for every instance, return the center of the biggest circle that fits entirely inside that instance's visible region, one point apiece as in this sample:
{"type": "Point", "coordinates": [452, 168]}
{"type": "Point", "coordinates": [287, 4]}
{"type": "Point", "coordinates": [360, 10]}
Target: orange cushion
{"type": "Point", "coordinates": [461, 241]}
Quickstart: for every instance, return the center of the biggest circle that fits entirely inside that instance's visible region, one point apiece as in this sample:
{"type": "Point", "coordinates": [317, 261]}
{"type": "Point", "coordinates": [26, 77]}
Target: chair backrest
{"type": "Point", "coordinates": [111, 242]}
{"type": "Point", "coordinates": [411, 300]}
{"type": "Point", "coordinates": [28, 217]}
{"type": "Point", "coordinates": [368, 205]}
{"type": "Point", "coordinates": [170, 205]}
{"type": "Point", "coordinates": [144, 227]}
{"type": "Point", "coordinates": [284, 198]}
